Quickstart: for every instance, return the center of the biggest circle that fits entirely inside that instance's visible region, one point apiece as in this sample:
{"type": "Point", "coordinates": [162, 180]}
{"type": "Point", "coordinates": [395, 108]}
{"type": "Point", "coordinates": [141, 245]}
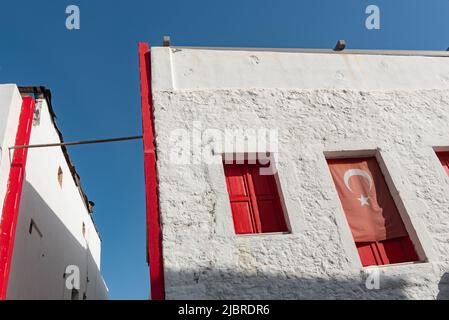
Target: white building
{"type": "Point", "coordinates": [47, 223]}
{"type": "Point", "coordinates": [387, 110]}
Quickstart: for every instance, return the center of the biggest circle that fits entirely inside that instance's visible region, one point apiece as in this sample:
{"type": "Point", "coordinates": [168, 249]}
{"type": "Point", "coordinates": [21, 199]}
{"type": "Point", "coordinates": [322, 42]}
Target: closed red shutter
{"type": "Point", "coordinates": [237, 181]}
{"type": "Point", "coordinates": [444, 158]}
{"type": "Point", "coordinates": [387, 252]}
{"type": "Point", "coordinates": [255, 201]}
{"type": "Point", "coordinates": [379, 233]}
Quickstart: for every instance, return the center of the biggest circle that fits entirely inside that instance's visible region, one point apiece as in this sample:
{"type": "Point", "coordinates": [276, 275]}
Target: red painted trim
{"type": "Point", "coordinates": [14, 191]}
{"type": "Point", "coordinates": [154, 233]}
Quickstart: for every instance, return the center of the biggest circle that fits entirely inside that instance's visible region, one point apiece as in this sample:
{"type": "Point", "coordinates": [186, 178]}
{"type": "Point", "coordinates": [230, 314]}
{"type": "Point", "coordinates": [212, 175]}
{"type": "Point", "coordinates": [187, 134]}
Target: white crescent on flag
{"type": "Point", "coordinates": [357, 172]}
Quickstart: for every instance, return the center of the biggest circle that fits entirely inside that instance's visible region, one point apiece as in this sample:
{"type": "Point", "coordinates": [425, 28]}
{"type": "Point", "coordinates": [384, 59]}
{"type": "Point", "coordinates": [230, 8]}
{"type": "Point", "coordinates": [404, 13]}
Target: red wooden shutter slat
{"type": "Point", "coordinates": [236, 181]}
{"type": "Point", "coordinates": [384, 258]}
{"type": "Point", "coordinates": [253, 198]}
{"type": "Point", "coordinates": [376, 253]}
{"type": "Point", "coordinates": [366, 254]}
{"type": "Point", "coordinates": [242, 217]}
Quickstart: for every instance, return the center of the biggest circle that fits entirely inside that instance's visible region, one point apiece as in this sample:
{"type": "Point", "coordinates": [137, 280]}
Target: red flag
{"type": "Point", "coordinates": [366, 199]}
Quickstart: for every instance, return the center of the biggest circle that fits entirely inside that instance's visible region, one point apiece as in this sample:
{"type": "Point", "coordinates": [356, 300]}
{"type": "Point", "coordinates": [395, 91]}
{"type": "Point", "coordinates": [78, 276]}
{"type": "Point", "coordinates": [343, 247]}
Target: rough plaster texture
{"type": "Point", "coordinates": [204, 259]}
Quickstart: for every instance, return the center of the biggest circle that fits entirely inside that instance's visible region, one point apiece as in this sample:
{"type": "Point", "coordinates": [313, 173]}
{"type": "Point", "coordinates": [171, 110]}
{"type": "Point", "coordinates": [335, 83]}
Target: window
{"type": "Point", "coordinates": [60, 176]}
{"type": "Point", "coordinates": [33, 226]}
{"type": "Point", "coordinates": [377, 227]}
{"type": "Point", "coordinates": [255, 202]}
{"type": "Point", "coordinates": [444, 158]}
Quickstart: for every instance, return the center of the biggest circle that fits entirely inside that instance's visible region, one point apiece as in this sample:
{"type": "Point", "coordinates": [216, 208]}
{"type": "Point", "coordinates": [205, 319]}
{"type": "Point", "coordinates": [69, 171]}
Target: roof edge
{"type": "Point", "coordinates": [425, 53]}
{"type": "Point", "coordinates": [41, 92]}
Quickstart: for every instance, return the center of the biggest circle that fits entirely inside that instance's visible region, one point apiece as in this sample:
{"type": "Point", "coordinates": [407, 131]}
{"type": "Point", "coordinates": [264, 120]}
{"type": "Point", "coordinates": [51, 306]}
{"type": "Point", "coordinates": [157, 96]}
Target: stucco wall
{"type": "Point", "coordinates": [10, 105]}
{"type": "Point", "coordinates": [56, 240]}
{"type": "Point", "coordinates": [398, 117]}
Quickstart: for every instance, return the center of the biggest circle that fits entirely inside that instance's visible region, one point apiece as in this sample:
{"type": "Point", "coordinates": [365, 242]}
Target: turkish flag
{"type": "Point", "coordinates": [366, 199]}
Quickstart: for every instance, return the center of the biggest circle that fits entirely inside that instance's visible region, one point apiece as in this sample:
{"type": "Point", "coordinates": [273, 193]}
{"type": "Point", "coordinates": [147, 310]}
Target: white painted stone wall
{"type": "Point", "coordinates": [393, 107]}
{"type": "Point", "coordinates": [10, 106]}
{"type": "Point", "coordinates": [40, 260]}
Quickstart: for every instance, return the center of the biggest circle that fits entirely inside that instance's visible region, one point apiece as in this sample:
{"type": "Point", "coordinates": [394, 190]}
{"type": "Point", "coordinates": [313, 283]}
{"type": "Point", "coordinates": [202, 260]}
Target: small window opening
{"type": "Point", "coordinates": [255, 201]}
{"type": "Point", "coordinates": [34, 227]}
{"type": "Point", "coordinates": [60, 176]}
{"type": "Point", "coordinates": [379, 232]}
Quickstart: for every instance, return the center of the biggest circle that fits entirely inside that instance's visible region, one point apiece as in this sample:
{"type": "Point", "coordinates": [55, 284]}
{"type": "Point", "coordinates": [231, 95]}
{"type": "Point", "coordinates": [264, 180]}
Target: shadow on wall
{"type": "Point", "coordinates": [44, 247]}
{"type": "Point", "coordinates": [443, 287]}
{"type": "Point", "coordinates": [225, 285]}
{"type": "Point", "coordinates": [220, 285]}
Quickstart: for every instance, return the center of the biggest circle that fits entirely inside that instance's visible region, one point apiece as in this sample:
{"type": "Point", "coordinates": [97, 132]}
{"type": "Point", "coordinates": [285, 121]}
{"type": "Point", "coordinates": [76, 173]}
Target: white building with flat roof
{"type": "Point", "coordinates": [47, 233]}
{"type": "Point", "coordinates": [296, 174]}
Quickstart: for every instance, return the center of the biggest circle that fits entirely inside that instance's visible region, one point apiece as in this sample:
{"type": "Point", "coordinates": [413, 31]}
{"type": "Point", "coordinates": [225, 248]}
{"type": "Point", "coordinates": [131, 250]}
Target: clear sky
{"type": "Point", "coordinates": [94, 77]}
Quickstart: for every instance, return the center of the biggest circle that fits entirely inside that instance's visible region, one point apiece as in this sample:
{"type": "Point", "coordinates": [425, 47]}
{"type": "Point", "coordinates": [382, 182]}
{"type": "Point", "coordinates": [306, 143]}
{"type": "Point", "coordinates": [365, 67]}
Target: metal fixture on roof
{"type": "Point", "coordinates": [341, 45]}
{"type": "Point", "coordinates": [166, 42]}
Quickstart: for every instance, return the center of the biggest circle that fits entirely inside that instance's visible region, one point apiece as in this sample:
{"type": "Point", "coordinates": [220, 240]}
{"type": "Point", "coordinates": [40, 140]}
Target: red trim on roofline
{"type": "Point", "coordinates": [154, 233]}
{"type": "Point", "coordinates": [11, 204]}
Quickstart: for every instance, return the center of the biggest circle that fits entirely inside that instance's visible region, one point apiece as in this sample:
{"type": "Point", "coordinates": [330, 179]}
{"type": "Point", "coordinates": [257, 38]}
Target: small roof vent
{"type": "Point", "coordinates": [340, 46]}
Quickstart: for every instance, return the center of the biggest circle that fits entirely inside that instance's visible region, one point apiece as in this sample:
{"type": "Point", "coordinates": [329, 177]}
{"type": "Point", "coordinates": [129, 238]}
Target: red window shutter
{"type": "Point", "coordinates": [379, 233]}
{"type": "Point", "coordinates": [387, 252]}
{"type": "Point", "coordinates": [255, 201]}
{"type": "Point", "coordinates": [237, 181]}
{"type": "Point", "coordinates": [444, 158]}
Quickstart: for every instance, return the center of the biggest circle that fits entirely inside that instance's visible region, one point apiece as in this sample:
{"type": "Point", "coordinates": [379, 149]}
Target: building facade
{"type": "Point", "coordinates": [354, 201]}
{"type": "Point", "coordinates": [47, 229]}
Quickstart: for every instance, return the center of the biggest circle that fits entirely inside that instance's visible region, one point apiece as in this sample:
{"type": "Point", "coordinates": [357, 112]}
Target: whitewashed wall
{"type": "Point", "coordinates": [40, 258]}
{"type": "Point", "coordinates": [393, 107]}
{"type": "Point", "coordinates": [10, 106]}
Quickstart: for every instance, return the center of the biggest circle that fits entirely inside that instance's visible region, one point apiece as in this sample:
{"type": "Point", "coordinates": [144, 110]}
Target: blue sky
{"type": "Point", "coordinates": [94, 77]}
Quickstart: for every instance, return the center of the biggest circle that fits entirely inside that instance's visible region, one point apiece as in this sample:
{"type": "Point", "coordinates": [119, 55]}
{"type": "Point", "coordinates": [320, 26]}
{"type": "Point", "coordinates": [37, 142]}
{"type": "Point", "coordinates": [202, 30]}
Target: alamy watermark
{"type": "Point", "coordinates": [73, 20]}
{"type": "Point", "coordinates": [373, 279]}
{"type": "Point", "coordinates": [372, 22]}
{"type": "Point", "coordinates": [72, 277]}
{"type": "Point", "coordinates": [200, 145]}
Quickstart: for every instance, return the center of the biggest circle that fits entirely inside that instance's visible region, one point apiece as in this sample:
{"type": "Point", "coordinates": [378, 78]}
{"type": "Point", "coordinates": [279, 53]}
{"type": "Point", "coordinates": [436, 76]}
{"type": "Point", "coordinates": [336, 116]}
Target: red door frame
{"type": "Point", "coordinates": [11, 204]}
{"type": "Point", "coordinates": [154, 233]}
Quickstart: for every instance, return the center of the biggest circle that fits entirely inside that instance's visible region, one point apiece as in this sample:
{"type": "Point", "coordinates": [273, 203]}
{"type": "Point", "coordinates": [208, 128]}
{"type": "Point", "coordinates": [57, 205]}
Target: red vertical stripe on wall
{"type": "Point", "coordinates": [13, 193]}
{"type": "Point", "coordinates": [154, 234]}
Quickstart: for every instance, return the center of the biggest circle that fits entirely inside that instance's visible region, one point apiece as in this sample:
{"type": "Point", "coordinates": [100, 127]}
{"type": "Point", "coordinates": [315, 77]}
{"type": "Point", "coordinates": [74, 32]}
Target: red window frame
{"type": "Point", "coordinates": [444, 159]}
{"type": "Point", "coordinates": [255, 201]}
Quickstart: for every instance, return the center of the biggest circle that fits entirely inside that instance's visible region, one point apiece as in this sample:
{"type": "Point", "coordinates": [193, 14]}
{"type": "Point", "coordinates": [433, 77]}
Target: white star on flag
{"type": "Point", "coordinates": [364, 201]}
